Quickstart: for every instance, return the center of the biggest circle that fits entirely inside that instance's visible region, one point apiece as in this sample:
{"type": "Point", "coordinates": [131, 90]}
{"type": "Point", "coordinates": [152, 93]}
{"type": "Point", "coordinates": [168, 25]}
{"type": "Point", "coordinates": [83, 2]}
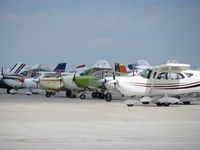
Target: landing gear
{"type": "Point", "coordinates": [8, 91]}
{"type": "Point", "coordinates": [70, 94]}
{"type": "Point", "coordinates": [82, 96]}
{"type": "Point", "coordinates": [166, 104]}
{"type": "Point", "coordinates": [162, 104]}
{"type": "Point", "coordinates": [108, 97]}
{"type": "Point", "coordinates": [159, 104]}
{"type": "Point", "coordinates": [101, 95]}
{"type": "Point", "coordinates": [130, 105]}
{"type": "Point", "coordinates": [48, 94]}
{"type": "Point", "coordinates": [186, 102]}
{"type": "Point", "coordinates": [145, 103]}
{"type": "Point", "coordinates": [94, 94]}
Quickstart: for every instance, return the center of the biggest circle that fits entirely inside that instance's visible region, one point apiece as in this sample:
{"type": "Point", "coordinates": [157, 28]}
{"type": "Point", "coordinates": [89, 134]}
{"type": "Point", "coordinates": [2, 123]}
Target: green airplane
{"type": "Point", "coordinates": [92, 80]}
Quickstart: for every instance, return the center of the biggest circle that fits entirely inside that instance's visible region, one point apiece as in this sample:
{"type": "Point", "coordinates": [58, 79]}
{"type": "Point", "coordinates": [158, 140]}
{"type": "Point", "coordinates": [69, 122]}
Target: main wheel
{"type": "Point", "coordinates": [82, 96]}
{"type": "Point", "coordinates": [145, 103]}
{"type": "Point", "coordinates": [68, 93]}
{"type": "Point", "coordinates": [8, 91]}
{"type": "Point", "coordinates": [159, 104]}
{"type": "Point", "coordinates": [166, 104]}
{"type": "Point", "coordinates": [94, 94]}
{"type": "Point", "coordinates": [101, 95]}
{"type": "Point", "coordinates": [186, 103]}
{"type": "Point", "coordinates": [73, 96]}
{"type": "Point", "coordinates": [108, 97]}
{"type": "Point", "coordinates": [48, 94]}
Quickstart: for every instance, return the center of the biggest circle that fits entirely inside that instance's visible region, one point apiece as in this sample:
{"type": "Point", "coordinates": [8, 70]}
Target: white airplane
{"type": "Point", "coordinates": [19, 81]}
{"type": "Point", "coordinates": [158, 84]}
{"type": "Point", "coordinates": [10, 73]}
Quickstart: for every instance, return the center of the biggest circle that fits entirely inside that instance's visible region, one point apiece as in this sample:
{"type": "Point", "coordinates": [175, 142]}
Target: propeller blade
{"type": "Point", "coordinates": [103, 76]}
{"type": "Point", "coordinates": [60, 81]}
{"type": "Point", "coordinates": [74, 78]}
{"type": "Point", "coordinates": [113, 75]}
{"type": "Point", "coordinates": [37, 83]}
{"type": "Point", "coordinates": [115, 84]}
{"type": "Point", "coordinates": [2, 73]}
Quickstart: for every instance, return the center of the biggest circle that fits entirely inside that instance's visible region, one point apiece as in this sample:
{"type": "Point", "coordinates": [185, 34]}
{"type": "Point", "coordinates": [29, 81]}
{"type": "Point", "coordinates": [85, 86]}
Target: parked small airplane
{"type": "Point", "coordinates": [19, 81]}
{"type": "Point", "coordinates": [158, 84]}
{"type": "Point", "coordinates": [91, 80]}
{"type": "Point", "coordinates": [53, 84]}
{"type": "Point", "coordinates": [12, 73]}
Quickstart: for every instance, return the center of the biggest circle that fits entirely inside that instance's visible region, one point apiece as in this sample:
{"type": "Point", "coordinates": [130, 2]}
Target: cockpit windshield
{"type": "Point", "coordinates": [146, 73]}
{"type": "Point", "coordinates": [37, 75]}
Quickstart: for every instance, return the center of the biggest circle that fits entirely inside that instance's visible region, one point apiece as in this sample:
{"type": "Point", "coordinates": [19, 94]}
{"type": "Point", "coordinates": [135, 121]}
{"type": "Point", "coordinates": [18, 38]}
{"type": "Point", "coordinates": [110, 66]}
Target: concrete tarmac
{"type": "Point", "coordinates": [39, 123]}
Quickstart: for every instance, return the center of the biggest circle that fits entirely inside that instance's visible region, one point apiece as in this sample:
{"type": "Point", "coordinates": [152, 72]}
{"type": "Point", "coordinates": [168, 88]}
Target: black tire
{"type": "Point", "coordinates": [48, 94]}
{"type": "Point", "coordinates": [108, 97]}
{"type": "Point", "coordinates": [101, 96]}
{"type": "Point", "coordinates": [186, 103]}
{"type": "Point", "coordinates": [145, 103]}
{"type": "Point", "coordinates": [166, 104]}
{"type": "Point", "coordinates": [94, 94]}
{"type": "Point", "coordinates": [130, 105]}
{"type": "Point", "coordinates": [73, 96]}
{"type": "Point", "coordinates": [82, 96]}
{"type": "Point", "coordinates": [68, 93]}
{"type": "Point", "coordinates": [8, 91]}
{"type": "Point", "coordinates": [159, 104]}
{"type": "Point", "coordinates": [53, 93]}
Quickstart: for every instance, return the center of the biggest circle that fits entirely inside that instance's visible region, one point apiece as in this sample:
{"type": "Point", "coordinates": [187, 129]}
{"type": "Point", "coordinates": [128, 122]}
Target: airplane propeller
{"type": "Point", "coordinates": [37, 81]}
{"type": "Point", "coordinates": [113, 75]}
{"type": "Point", "coordinates": [74, 78]}
{"type": "Point", "coordinates": [115, 81]}
{"type": "Point", "coordinates": [2, 72]}
{"type": "Point", "coordinates": [61, 79]}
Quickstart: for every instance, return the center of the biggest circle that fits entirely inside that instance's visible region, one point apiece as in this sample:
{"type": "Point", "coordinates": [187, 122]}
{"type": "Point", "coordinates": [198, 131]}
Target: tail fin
{"type": "Point", "coordinates": [17, 68]}
{"type": "Point", "coordinates": [60, 67]}
{"type": "Point", "coordinates": [120, 67]}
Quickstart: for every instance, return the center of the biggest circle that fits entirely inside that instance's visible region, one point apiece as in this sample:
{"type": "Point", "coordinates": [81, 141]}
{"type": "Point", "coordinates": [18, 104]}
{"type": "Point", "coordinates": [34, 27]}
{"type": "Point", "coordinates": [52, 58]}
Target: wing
{"type": "Point", "coordinates": [171, 67]}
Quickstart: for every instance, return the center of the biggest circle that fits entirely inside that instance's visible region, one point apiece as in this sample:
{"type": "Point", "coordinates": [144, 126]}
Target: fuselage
{"type": "Point", "coordinates": [53, 84]}
{"type": "Point", "coordinates": [155, 85]}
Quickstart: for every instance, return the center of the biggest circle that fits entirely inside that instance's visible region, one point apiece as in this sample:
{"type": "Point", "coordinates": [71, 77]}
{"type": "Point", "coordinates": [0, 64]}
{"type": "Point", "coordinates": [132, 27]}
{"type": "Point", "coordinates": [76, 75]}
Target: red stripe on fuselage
{"type": "Point", "coordinates": [164, 85]}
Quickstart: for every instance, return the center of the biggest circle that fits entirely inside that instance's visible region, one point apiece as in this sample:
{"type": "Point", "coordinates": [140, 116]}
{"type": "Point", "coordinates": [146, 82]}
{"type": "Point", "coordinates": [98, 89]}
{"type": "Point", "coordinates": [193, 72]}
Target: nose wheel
{"type": "Point", "coordinates": [82, 96]}
{"type": "Point", "coordinates": [48, 94]}
{"type": "Point", "coordinates": [108, 97]}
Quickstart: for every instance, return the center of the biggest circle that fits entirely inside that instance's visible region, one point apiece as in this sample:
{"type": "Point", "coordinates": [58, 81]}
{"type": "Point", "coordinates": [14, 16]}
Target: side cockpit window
{"type": "Point", "coordinates": [189, 74]}
{"type": "Point", "coordinates": [146, 73]}
{"type": "Point", "coordinates": [163, 75]}
{"type": "Point", "coordinates": [176, 76]}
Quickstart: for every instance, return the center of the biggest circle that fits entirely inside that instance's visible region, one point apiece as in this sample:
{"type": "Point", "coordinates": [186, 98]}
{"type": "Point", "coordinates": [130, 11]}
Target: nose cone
{"type": "Point", "coordinates": [69, 83]}
{"type": "Point", "coordinates": [29, 83]}
{"type": "Point", "coordinates": [110, 85]}
{"type": "Point", "coordinates": [35, 80]}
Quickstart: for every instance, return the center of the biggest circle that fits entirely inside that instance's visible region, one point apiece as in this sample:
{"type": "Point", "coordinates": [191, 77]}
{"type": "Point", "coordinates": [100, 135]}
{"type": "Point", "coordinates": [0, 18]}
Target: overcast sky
{"type": "Point", "coordinates": [85, 31]}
